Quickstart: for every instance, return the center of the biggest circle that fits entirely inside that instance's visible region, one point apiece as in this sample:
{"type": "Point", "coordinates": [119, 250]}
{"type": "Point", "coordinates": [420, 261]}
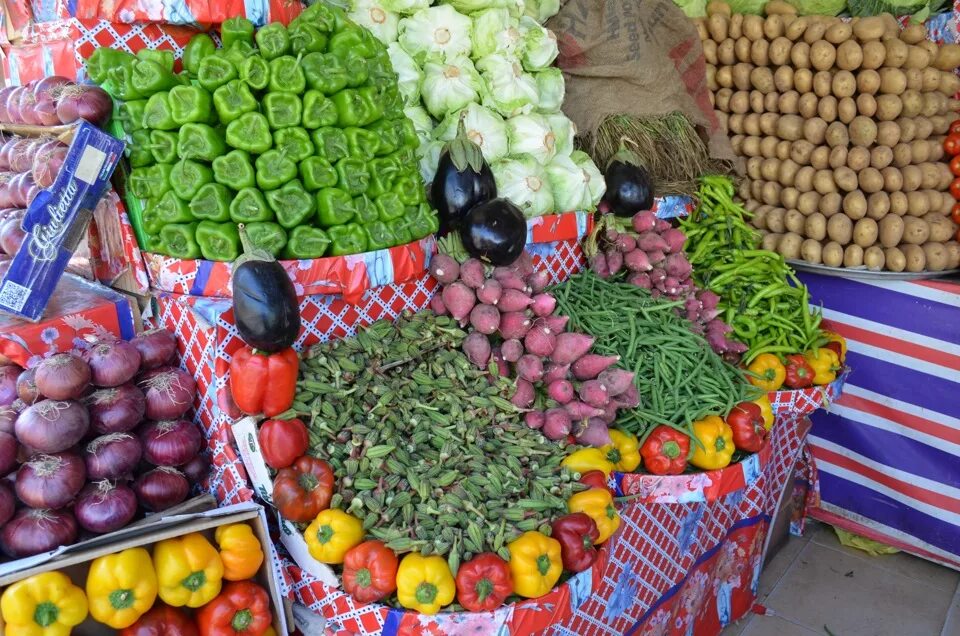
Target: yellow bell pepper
{"type": "Point", "coordinates": [841, 344]}
{"type": "Point", "coordinates": [189, 570]}
{"type": "Point", "coordinates": [768, 372]}
{"type": "Point", "coordinates": [767, 410]}
{"type": "Point", "coordinates": [332, 534]}
{"type": "Point", "coordinates": [425, 584]}
{"type": "Point", "coordinates": [121, 587]}
{"type": "Point", "coordinates": [624, 452]}
{"type": "Point", "coordinates": [587, 459]}
{"type": "Point", "coordinates": [825, 364]}
{"type": "Point", "coordinates": [240, 551]}
{"type": "Point", "coordinates": [47, 604]}
{"type": "Point", "coordinates": [535, 564]}
{"type": "Point", "coordinates": [597, 503]}
{"type": "Point", "coordinates": [716, 448]}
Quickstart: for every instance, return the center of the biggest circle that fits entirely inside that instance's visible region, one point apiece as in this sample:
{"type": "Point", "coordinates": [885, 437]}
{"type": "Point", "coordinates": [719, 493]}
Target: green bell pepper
{"type": "Point", "coordinates": [218, 241]}
{"type": "Point", "coordinates": [282, 109]}
{"type": "Point", "coordinates": [318, 111]}
{"type": "Point", "coordinates": [347, 239]}
{"type": "Point", "coordinates": [250, 132]}
{"type": "Point", "coordinates": [307, 38]}
{"type": "Point", "coordinates": [330, 143]}
{"type": "Point", "coordinates": [148, 77]}
{"type": "Point", "coordinates": [255, 72]}
{"type": "Point", "coordinates": [232, 100]}
{"type": "Point", "coordinates": [409, 188]}
{"type": "Point", "coordinates": [200, 46]}
{"type": "Point", "coordinates": [234, 170]}
{"type": "Point", "coordinates": [248, 206]}
{"type": "Point", "coordinates": [362, 142]}
{"type": "Point", "coordinates": [352, 39]}
{"type": "Point", "coordinates": [373, 103]}
{"type": "Point", "coordinates": [189, 104]}
{"type": "Point", "coordinates": [121, 82]}
{"type": "Point", "coordinates": [324, 72]}
{"type": "Point", "coordinates": [163, 58]}
{"type": "Point", "coordinates": [179, 240]}
{"type": "Point", "coordinates": [367, 210]}
{"type": "Point", "coordinates": [238, 53]}
{"type": "Point", "coordinates": [215, 71]}
{"type": "Point", "coordinates": [389, 135]}
{"type": "Point", "coordinates": [306, 242]}
{"type": "Point", "coordinates": [163, 145]}
{"type": "Point", "coordinates": [156, 245]}
{"type": "Point", "coordinates": [274, 169]}
{"type": "Point", "coordinates": [139, 153]}
{"type": "Point", "coordinates": [150, 182]}
{"type": "Point", "coordinates": [379, 236]}
{"type": "Point", "coordinates": [408, 133]}
{"type": "Point", "coordinates": [172, 209]}
{"type": "Point", "coordinates": [211, 202]}
{"type": "Point", "coordinates": [292, 204]}
{"type": "Point", "coordinates": [317, 173]}
{"type": "Point", "coordinates": [423, 222]}
{"type": "Point", "coordinates": [130, 114]}
{"type": "Point", "coordinates": [400, 230]}
{"type": "Point", "coordinates": [286, 75]}
{"type": "Point", "coordinates": [324, 17]}
{"type": "Point", "coordinates": [294, 143]}
{"type": "Point", "coordinates": [390, 206]}
{"type": "Point", "coordinates": [334, 207]}
{"type": "Point", "coordinates": [187, 177]}
{"type": "Point", "coordinates": [157, 114]}
{"type": "Point", "coordinates": [352, 176]}
{"type": "Point", "coordinates": [352, 109]}
{"type": "Point", "coordinates": [236, 29]}
{"type": "Point", "coordinates": [105, 59]}
{"type": "Point", "coordinates": [151, 223]}
{"type": "Point", "coordinates": [356, 67]}
{"type": "Point", "coordinates": [273, 40]}
{"type": "Point", "coordinates": [382, 175]}
{"type": "Point", "coordinates": [267, 236]}
{"type": "Point", "coordinates": [200, 141]}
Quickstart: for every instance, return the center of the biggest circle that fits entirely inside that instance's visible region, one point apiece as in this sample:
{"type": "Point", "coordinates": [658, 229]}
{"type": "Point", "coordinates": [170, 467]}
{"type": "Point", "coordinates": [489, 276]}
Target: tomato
{"type": "Point", "coordinates": [162, 620]}
{"type": "Point", "coordinates": [955, 188]}
{"type": "Point", "coordinates": [955, 166]}
{"type": "Point", "coordinates": [955, 213]}
{"type": "Point", "coordinates": [955, 127]}
{"type": "Point", "coordinates": [303, 490]}
{"type": "Point", "coordinates": [282, 441]}
{"type": "Point", "coordinates": [951, 145]}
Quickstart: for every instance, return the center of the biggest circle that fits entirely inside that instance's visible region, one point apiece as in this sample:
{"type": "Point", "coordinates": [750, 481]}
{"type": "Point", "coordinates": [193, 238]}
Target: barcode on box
{"type": "Point", "coordinates": [14, 296]}
{"type": "Point", "coordinates": [88, 168]}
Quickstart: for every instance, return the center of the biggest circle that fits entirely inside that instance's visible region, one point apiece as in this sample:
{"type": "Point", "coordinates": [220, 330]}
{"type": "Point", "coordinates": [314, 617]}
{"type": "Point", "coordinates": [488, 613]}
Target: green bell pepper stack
{"type": "Point", "coordinates": [172, 209]}
{"type": "Point", "coordinates": [105, 59]}
{"type": "Point", "coordinates": [234, 170]}
{"type": "Point", "coordinates": [282, 109]}
{"type": "Point", "coordinates": [139, 153]}
{"type": "Point", "coordinates": [390, 206]}
{"type": "Point", "coordinates": [379, 236]}
{"type": "Point", "coordinates": [200, 46]}
{"type": "Point", "coordinates": [148, 77]}
{"type": "Point", "coordinates": [218, 241]}
{"type": "Point", "coordinates": [249, 206]}
{"type": "Point", "coordinates": [267, 236]}
{"type": "Point", "coordinates": [352, 109]}
{"type": "Point", "coordinates": [330, 143]}
{"type": "Point", "coordinates": [215, 71]}
{"type": "Point", "coordinates": [352, 176]}
{"type": "Point", "coordinates": [255, 72]}
{"type": "Point", "coordinates": [130, 114]}
{"type": "Point", "coordinates": [250, 132]}
{"type": "Point", "coordinates": [334, 207]}
{"type": "Point", "coordinates": [189, 104]}
{"type": "Point", "coordinates": [347, 239]}
{"type": "Point", "coordinates": [294, 143]}
{"type": "Point", "coordinates": [211, 203]}
{"type": "Point", "coordinates": [232, 100]}
{"type": "Point", "coordinates": [200, 141]}
{"type": "Point", "coordinates": [274, 169]}
{"type": "Point", "coordinates": [367, 210]}
{"type": "Point", "coordinates": [307, 38]}
{"type": "Point", "coordinates": [150, 182]}
{"type": "Point", "coordinates": [352, 39]}
{"type": "Point", "coordinates": [317, 173]}
{"type": "Point", "coordinates": [163, 145]}
{"type": "Point", "coordinates": [363, 143]}
{"type": "Point", "coordinates": [273, 41]}
{"type": "Point", "coordinates": [179, 240]}
{"type": "Point", "coordinates": [237, 29]}
{"type": "Point", "coordinates": [187, 177]}
{"type": "Point", "coordinates": [157, 114]}
{"type": "Point", "coordinates": [306, 242]}
{"type": "Point", "coordinates": [162, 57]}
{"type": "Point", "coordinates": [356, 67]}
{"type": "Point", "coordinates": [120, 80]}
{"type": "Point", "coordinates": [318, 110]}
{"type": "Point", "coordinates": [286, 75]}
{"type": "Point", "coordinates": [292, 204]}
{"type": "Point", "coordinates": [324, 72]}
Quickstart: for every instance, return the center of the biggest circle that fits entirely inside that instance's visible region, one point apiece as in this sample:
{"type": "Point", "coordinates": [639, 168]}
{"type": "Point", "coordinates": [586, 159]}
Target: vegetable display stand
{"type": "Point", "coordinates": [801, 403]}
{"type": "Point", "coordinates": [186, 12]}
{"type": "Point", "coordinates": [117, 260]}
{"type": "Point", "coordinates": [886, 451]}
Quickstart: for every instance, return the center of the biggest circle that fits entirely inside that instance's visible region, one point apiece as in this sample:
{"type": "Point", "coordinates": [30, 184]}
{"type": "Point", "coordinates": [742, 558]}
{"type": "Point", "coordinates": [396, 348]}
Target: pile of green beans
{"type": "Point", "coordinates": [679, 377]}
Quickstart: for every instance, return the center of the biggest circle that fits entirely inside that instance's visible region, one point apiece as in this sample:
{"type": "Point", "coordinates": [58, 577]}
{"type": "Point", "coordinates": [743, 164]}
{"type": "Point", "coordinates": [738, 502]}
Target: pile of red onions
{"type": "Point", "coordinates": [53, 101]}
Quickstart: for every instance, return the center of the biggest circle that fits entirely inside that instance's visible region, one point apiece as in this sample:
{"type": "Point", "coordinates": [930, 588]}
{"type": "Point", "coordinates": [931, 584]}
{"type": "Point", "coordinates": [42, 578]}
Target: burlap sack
{"type": "Point", "coordinates": [633, 57]}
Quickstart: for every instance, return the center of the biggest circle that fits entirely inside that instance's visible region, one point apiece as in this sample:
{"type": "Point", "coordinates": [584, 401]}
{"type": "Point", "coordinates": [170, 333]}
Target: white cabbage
{"type": "Point", "coordinates": [539, 45]}
{"type": "Point", "coordinates": [596, 185]}
{"type": "Point", "coordinates": [429, 153]}
{"type": "Point", "coordinates": [450, 85]}
{"type": "Point", "coordinates": [483, 126]}
{"type": "Point", "coordinates": [406, 7]}
{"type": "Point", "coordinates": [378, 19]}
{"type": "Point", "coordinates": [531, 135]}
{"type": "Point", "coordinates": [551, 87]}
{"type": "Point", "coordinates": [436, 33]}
{"type": "Point", "coordinates": [567, 183]}
{"type": "Point", "coordinates": [495, 31]}
{"type": "Point", "coordinates": [409, 75]}
{"type": "Point", "coordinates": [472, 6]}
{"type": "Point", "coordinates": [523, 181]}
{"type": "Point", "coordinates": [541, 10]}
{"type": "Point", "coordinates": [422, 122]}
{"type": "Point", "coordinates": [564, 131]}
{"type": "Point", "coordinates": [510, 91]}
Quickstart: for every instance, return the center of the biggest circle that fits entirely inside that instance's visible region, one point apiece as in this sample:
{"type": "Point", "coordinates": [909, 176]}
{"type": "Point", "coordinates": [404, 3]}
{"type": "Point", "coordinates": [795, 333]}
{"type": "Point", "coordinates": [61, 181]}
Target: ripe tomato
{"type": "Point", "coordinates": [955, 188]}
{"type": "Point", "coordinates": [955, 166]}
{"type": "Point", "coordinates": [955, 213]}
{"type": "Point", "coordinates": [955, 127]}
{"type": "Point", "coordinates": [282, 441]}
{"type": "Point", "coordinates": [951, 145]}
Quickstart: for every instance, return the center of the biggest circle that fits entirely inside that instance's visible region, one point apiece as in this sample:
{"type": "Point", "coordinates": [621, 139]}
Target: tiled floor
{"type": "Point", "coordinates": [815, 586]}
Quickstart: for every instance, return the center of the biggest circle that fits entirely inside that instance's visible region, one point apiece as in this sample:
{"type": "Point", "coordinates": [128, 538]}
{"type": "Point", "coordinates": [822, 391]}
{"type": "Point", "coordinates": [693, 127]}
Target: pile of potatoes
{"type": "Point", "coordinates": [842, 127]}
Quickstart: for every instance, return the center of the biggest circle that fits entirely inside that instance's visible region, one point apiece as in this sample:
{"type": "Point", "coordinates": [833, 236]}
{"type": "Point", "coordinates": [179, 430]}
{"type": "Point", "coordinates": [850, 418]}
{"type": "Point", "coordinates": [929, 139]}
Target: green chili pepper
{"type": "Point", "coordinates": [274, 169]}
{"type": "Point", "coordinates": [318, 110]}
{"type": "Point", "coordinates": [273, 41]}
{"type": "Point", "coordinates": [163, 58]}
{"type": "Point", "coordinates": [200, 141]}
{"type": "Point", "coordinates": [334, 207]}
{"type": "Point", "coordinates": [237, 29]}
{"type": "Point", "coordinates": [157, 114]}
{"type": "Point", "coordinates": [139, 153]}
{"type": "Point", "coordinates": [250, 132]}
{"type": "Point", "coordinates": [215, 71]}
{"type": "Point", "coordinates": [390, 206]}
{"type": "Point", "coordinates": [234, 170]}
{"type": "Point", "coordinates": [324, 72]}
{"type": "Point", "coordinates": [148, 77]}
{"type": "Point", "coordinates": [367, 210]}
{"type": "Point", "coordinates": [307, 38]}
{"type": "Point", "coordinates": [286, 75]}
{"type": "Point", "coordinates": [172, 209]}
{"type": "Point", "coordinates": [267, 236]}
{"type": "Point", "coordinates": [189, 104]}
{"type": "Point", "coordinates": [103, 60]}
{"type": "Point", "coordinates": [130, 114]}
{"type": "Point", "coordinates": [352, 110]}
{"type": "Point", "coordinates": [292, 204]}
{"type": "Point", "coordinates": [255, 72]}
{"type": "Point", "coordinates": [163, 145]}
{"type": "Point", "coordinates": [317, 173]}
{"type": "Point", "coordinates": [363, 143]}
{"type": "Point", "coordinates": [248, 206]}
{"type": "Point", "coordinates": [179, 240]}
{"type": "Point", "coordinates": [232, 100]}
{"type": "Point", "coordinates": [282, 109]}
{"type": "Point", "coordinates": [218, 241]}
{"type": "Point", "coordinates": [347, 239]}
{"type": "Point", "coordinates": [306, 242]}
{"type": "Point", "coordinates": [379, 236]}
{"type": "Point", "coordinates": [330, 143]}
{"type": "Point", "coordinates": [188, 176]}
{"type": "Point", "coordinates": [294, 143]}
{"type": "Point", "coordinates": [200, 46]}
{"type": "Point", "coordinates": [150, 182]}
{"type": "Point", "coordinates": [211, 202]}
{"type": "Point", "coordinates": [352, 176]}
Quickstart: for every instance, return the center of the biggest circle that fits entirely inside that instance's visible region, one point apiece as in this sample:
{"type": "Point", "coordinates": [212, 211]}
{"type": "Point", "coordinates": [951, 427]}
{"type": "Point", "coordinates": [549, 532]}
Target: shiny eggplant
{"type": "Point", "coordinates": [495, 232]}
{"type": "Point", "coordinates": [629, 187]}
{"type": "Point", "coordinates": [463, 180]}
{"type": "Point", "coordinates": [265, 304]}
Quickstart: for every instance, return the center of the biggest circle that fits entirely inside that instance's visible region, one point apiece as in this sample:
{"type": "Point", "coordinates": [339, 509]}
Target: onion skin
{"type": "Point", "coordinates": [170, 392]}
{"type": "Point", "coordinates": [112, 456]}
{"type": "Point", "coordinates": [103, 507]}
{"type": "Point", "coordinates": [161, 488]}
{"type": "Point", "coordinates": [63, 377]}
{"type": "Point", "coordinates": [113, 363]}
{"type": "Point", "coordinates": [32, 531]}
{"type": "Point", "coordinates": [117, 409]}
{"type": "Point", "coordinates": [8, 383]}
{"type": "Point", "coordinates": [170, 442]}
{"type": "Point", "coordinates": [27, 387]}
{"type": "Point", "coordinates": [157, 347]}
{"type": "Point", "coordinates": [51, 426]}
{"type": "Point", "coordinates": [9, 449]}
{"type": "Point", "coordinates": [50, 481]}
{"type": "Point", "coordinates": [8, 503]}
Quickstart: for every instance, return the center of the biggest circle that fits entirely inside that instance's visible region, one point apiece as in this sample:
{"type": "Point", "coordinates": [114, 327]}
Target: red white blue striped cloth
{"type": "Point", "coordinates": [888, 451]}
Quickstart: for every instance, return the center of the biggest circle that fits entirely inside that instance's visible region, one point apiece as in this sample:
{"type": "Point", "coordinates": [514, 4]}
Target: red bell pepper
{"type": "Point", "coordinates": [282, 441]}
{"type": "Point", "coordinates": [577, 532]}
{"type": "Point", "coordinates": [370, 571]}
{"type": "Point", "coordinates": [162, 620]}
{"type": "Point", "coordinates": [484, 582]}
{"type": "Point", "coordinates": [799, 372]}
{"type": "Point", "coordinates": [665, 451]}
{"type": "Point", "coordinates": [594, 479]}
{"type": "Point", "coordinates": [242, 608]}
{"type": "Point", "coordinates": [264, 383]}
{"type": "Point", "coordinates": [746, 422]}
{"type": "Point", "coordinates": [303, 490]}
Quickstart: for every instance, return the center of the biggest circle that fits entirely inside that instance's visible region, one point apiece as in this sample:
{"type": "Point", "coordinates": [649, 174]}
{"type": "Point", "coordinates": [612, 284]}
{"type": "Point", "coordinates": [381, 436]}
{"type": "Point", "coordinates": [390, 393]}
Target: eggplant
{"type": "Point", "coordinates": [629, 187]}
{"type": "Point", "coordinates": [463, 180]}
{"type": "Point", "coordinates": [494, 232]}
{"type": "Point", "coordinates": [265, 305]}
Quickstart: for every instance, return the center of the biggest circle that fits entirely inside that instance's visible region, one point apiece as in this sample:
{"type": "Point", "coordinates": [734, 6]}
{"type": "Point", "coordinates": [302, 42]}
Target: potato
{"type": "Point", "coordinates": [953, 254]}
{"type": "Point", "coordinates": [820, 158]}
{"type": "Point", "coordinates": [787, 104]}
{"type": "Point", "coordinates": [740, 102]}
{"type": "Point", "coordinates": [773, 27]}
{"type": "Point", "coordinates": [878, 205]}
{"type": "Point", "coordinates": [866, 105]}
{"type": "Point", "coordinates": [783, 150]}
{"type": "Point", "coordinates": [912, 103]}
{"type": "Point", "coordinates": [751, 125]}
{"type": "Point", "coordinates": [947, 58]}
{"type": "Point", "coordinates": [853, 256]}
{"type": "Point", "coordinates": [753, 167]}
{"type": "Point", "coordinates": [897, 53]}
{"type": "Point", "coordinates": [808, 202]}
{"type": "Point", "coordinates": [891, 230]}
{"type": "Point", "coordinates": [881, 157]}
{"type": "Point", "coordinates": [789, 197]}
{"type": "Point", "coordinates": [870, 180]}
{"type": "Point", "coordinates": [838, 33]}
{"type": "Point", "coordinates": [735, 125]}
{"type": "Point", "coordinates": [814, 31]}
{"type": "Point", "coordinates": [701, 24]}
{"type": "Point", "coordinates": [745, 189]}
{"type": "Point", "coordinates": [790, 127]}
{"type": "Point", "coordinates": [891, 26]}
{"type": "Point", "coordinates": [759, 54]}
{"type": "Point", "coordinates": [902, 155]}
{"type": "Point", "coordinates": [771, 193]}
{"type": "Point", "coordinates": [769, 168]}
{"type": "Point", "coordinates": [822, 55]}
{"type": "Point", "coordinates": [855, 205]}
{"type": "Point", "coordinates": [814, 227]}
{"type": "Point", "coordinates": [874, 54]}
{"type": "Point", "coordinates": [837, 135]}
{"type": "Point", "coordinates": [789, 245]}
{"type": "Point", "coordinates": [710, 52]}
{"type": "Point", "coordinates": [932, 48]}
{"type": "Point", "coordinates": [918, 203]}
{"type": "Point", "coordinates": [722, 100]}
{"type": "Point", "coordinates": [839, 228]}
{"type": "Point", "coordinates": [821, 83]}
{"type": "Point", "coordinates": [863, 131]}
{"type": "Point", "coordinates": [917, 58]}
{"type": "Point", "coordinates": [898, 203]}
{"type": "Point", "coordinates": [804, 179]}
{"type": "Point", "coordinates": [810, 251]}
{"type": "Point", "coordinates": [800, 55]}
{"type": "Point", "coordinates": [753, 27]}
{"type": "Point", "coordinates": [893, 81]}
{"type": "Point", "coordinates": [741, 76]}
{"type": "Point", "coordinates": [794, 30]}
{"type": "Point", "coordinates": [774, 220]}
{"type": "Point", "coordinates": [915, 231]}
{"type": "Point", "coordinates": [933, 104]}
{"type": "Point", "coordinates": [735, 27]}
{"type": "Point", "coordinates": [908, 130]}
{"type": "Point", "coordinates": [725, 76]}
{"type": "Point", "coordinates": [832, 254]}
{"type": "Point", "coordinates": [914, 78]}
{"type": "Point", "coordinates": [949, 84]}
{"type": "Point", "coordinates": [794, 221]}
{"type": "Point", "coordinates": [808, 105]}
{"type": "Point", "coordinates": [920, 151]}
{"type": "Point", "coordinates": [912, 178]}
{"type": "Point", "coordinates": [830, 204]}
{"type": "Point", "coordinates": [888, 107]}
{"type": "Point", "coordinates": [941, 227]}
{"type": "Point", "coordinates": [779, 52]}
{"type": "Point", "coordinates": [865, 232]}
{"type": "Point", "coordinates": [913, 34]}
{"type": "Point", "coordinates": [741, 49]}
{"type": "Point", "coordinates": [868, 82]}
{"type": "Point", "coordinates": [946, 177]}
{"type": "Point", "coordinates": [845, 178]}
{"type": "Point", "coordinates": [823, 182]}
{"type": "Point", "coordinates": [873, 258]}
{"type": "Point", "coordinates": [935, 198]}
{"type": "Point", "coordinates": [838, 157]}
{"type": "Point", "coordinates": [888, 134]}
{"type": "Point", "coordinates": [803, 80]}
{"type": "Point", "coordinates": [727, 52]}
{"type": "Point", "coordinates": [768, 147]}
{"type": "Point", "coordinates": [916, 259]}
{"type": "Point", "coordinates": [787, 172]}
{"type": "Point", "coordinates": [814, 130]}
{"type": "Point", "coordinates": [895, 261]}
{"type": "Point", "coordinates": [846, 109]}
{"type": "Point", "coordinates": [931, 79]}
{"type": "Point", "coordinates": [716, 7]}
{"type": "Point", "coordinates": [892, 179]}
{"type": "Point", "coordinates": [768, 126]}
{"type": "Point", "coordinates": [750, 147]}
{"type": "Point", "coordinates": [756, 189]}
{"type": "Point", "coordinates": [757, 220]}
{"type": "Point", "coordinates": [779, 8]}
{"type": "Point", "coordinates": [770, 242]}
{"type": "Point", "coordinates": [849, 56]}
{"type": "Point", "coordinates": [866, 29]}
{"type": "Point", "coordinates": [800, 152]}
{"type": "Point", "coordinates": [858, 158]}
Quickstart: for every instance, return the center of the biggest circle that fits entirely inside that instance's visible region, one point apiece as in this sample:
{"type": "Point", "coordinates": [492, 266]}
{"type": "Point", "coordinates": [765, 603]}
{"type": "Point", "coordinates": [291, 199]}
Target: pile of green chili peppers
{"type": "Point", "coordinates": [760, 296]}
{"type": "Point", "coordinates": [297, 132]}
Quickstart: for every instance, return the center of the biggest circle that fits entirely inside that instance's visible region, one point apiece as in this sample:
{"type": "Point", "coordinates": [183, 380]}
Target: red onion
{"type": "Point", "coordinates": [50, 86]}
{"type": "Point", "coordinates": [9, 448]}
{"type": "Point", "coordinates": [116, 410]}
{"type": "Point", "coordinates": [161, 488]}
{"type": "Point", "coordinates": [47, 164]}
{"type": "Point", "coordinates": [8, 383]}
{"type": "Point", "coordinates": [22, 184]}
{"type": "Point", "coordinates": [8, 503]}
{"type": "Point", "coordinates": [8, 417]}
{"type": "Point", "coordinates": [4, 94]}
{"type": "Point", "coordinates": [84, 102]}
{"type": "Point", "coordinates": [112, 456]}
{"type": "Point", "coordinates": [6, 192]}
{"type": "Point", "coordinates": [27, 386]}
{"type": "Point", "coordinates": [5, 152]}
{"type": "Point", "coordinates": [62, 377]}
{"type": "Point", "coordinates": [169, 391]}
{"type": "Point", "coordinates": [51, 426]}
{"type": "Point", "coordinates": [197, 468]}
{"type": "Point", "coordinates": [12, 235]}
{"type": "Point", "coordinates": [51, 481]}
{"type": "Point", "coordinates": [113, 363]}
{"type": "Point", "coordinates": [170, 442]}
{"type": "Point", "coordinates": [28, 103]}
{"type": "Point", "coordinates": [156, 347]}
{"type": "Point", "coordinates": [104, 507]}
{"type": "Point", "coordinates": [13, 105]}
{"type": "Point", "coordinates": [34, 531]}
{"type": "Point", "coordinates": [21, 159]}
{"type": "Point", "coordinates": [45, 111]}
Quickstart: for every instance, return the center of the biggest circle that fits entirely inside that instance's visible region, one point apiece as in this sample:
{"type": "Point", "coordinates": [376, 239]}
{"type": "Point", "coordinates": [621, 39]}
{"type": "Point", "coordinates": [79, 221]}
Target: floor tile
{"type": "Point", "coordinates": [737, 629]}
{"type": "Point", "coordinates": [775, 568]}
{"type": "Point", "coordinates": [776, 626]}
{"type": "Point", "coordinates": [952, 624]}
{"type": "Point", "coordinates": [853, 597]}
